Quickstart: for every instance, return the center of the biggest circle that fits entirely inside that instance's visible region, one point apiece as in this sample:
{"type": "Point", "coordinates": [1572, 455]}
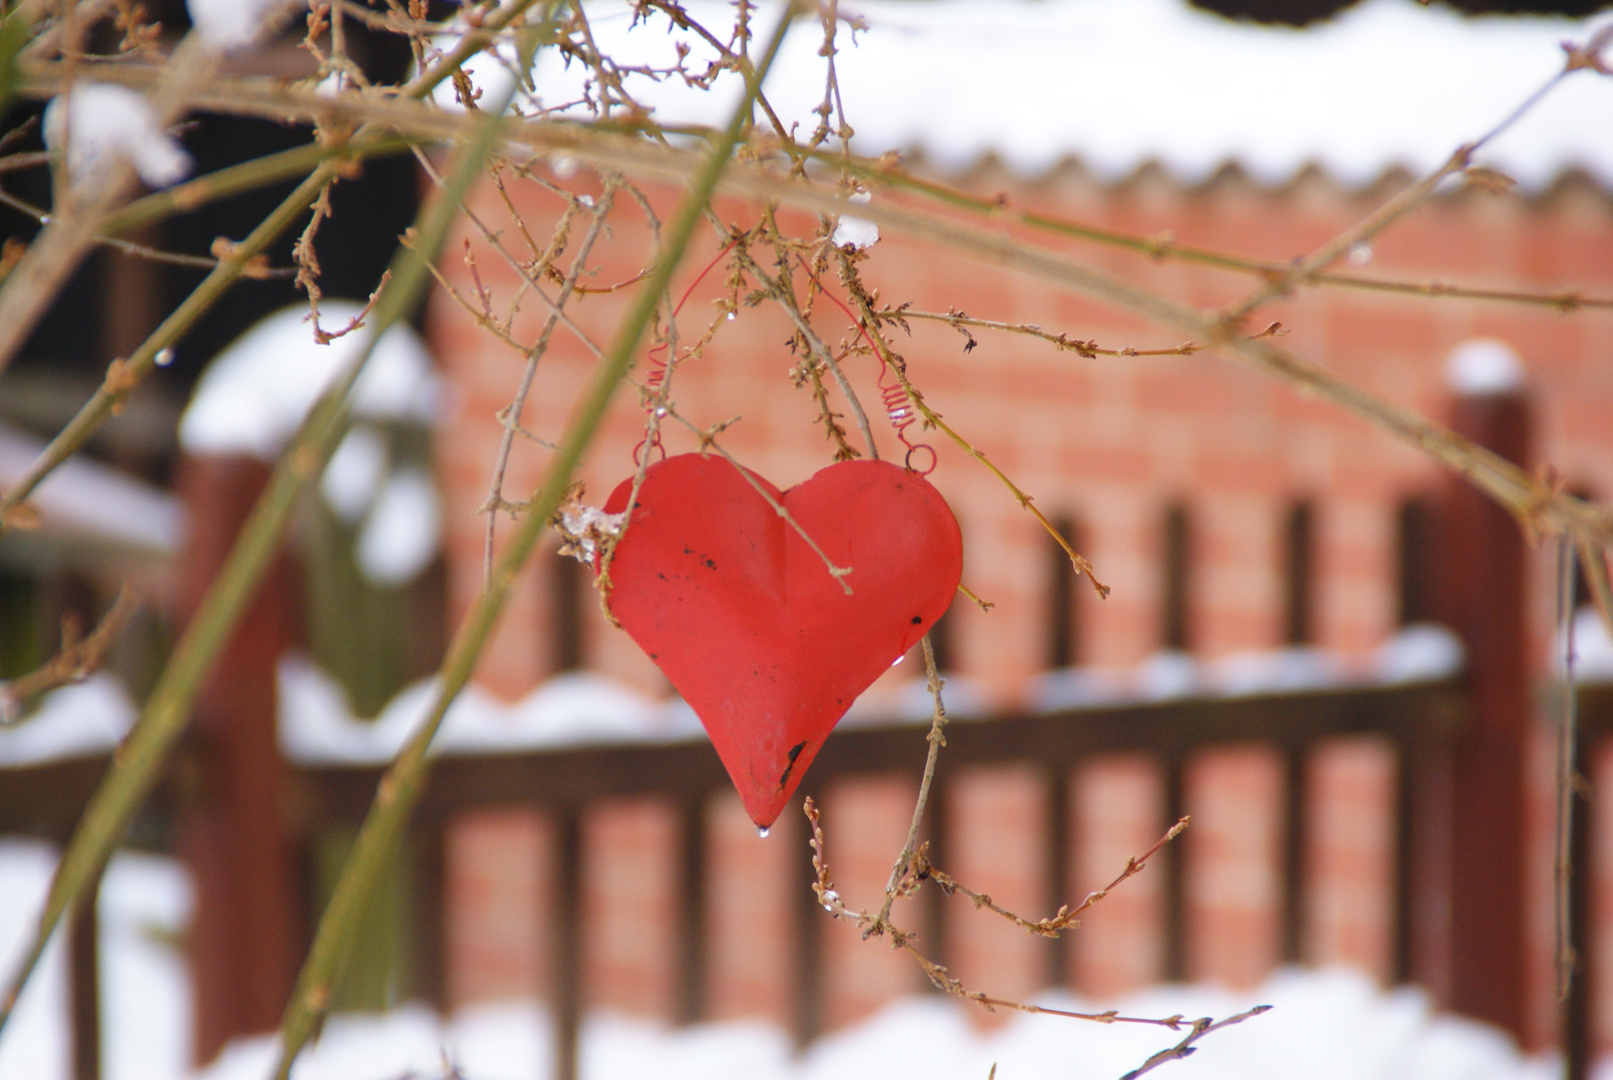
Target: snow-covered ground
{"type": "Point", "coordinates": [1330, 1025]}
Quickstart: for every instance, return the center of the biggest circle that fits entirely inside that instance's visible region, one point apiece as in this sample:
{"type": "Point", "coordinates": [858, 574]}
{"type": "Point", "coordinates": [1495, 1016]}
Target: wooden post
{"type": "Point", "coordinates": [1483, 601]}
{"type": "Point", "coordinates": [246, 936]}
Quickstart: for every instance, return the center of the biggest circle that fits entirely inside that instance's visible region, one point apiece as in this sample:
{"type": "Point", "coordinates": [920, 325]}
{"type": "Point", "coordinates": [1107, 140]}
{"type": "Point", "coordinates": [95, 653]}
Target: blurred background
{"type": "Point", "coordinates": [1336, 659]}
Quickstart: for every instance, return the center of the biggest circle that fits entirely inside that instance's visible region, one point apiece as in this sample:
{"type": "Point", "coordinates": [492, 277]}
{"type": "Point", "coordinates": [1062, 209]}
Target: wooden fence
{"type": "Point", "coordinates": [1460, 748]}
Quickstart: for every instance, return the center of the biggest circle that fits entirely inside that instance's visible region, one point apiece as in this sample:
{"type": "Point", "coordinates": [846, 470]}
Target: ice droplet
{"type": "Point", "coordinates": [730, 316]}
{"type": "Point", "coordinates": [899, 659]}
{"type": "Point", "coordinates": [164, 357]}
{"type": "Point", "coordinates": [1360, 254]}
{"type": "Point", "coordinates": [762, 831]}
{"type": "Point", "coordinates": [829, 898]}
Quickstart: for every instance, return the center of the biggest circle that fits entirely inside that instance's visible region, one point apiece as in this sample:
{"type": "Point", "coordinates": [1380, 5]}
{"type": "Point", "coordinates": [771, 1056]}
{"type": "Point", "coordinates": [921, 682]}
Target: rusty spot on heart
{"type": "Point", "coordinates": [795, 752]}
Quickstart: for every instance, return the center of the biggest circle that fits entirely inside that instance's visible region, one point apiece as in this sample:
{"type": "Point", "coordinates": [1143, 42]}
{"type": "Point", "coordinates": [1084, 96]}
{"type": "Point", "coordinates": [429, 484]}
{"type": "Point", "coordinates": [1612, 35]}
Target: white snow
{"type": "Point", "coordinates": [1484, 367]}
{"type": "Point", "coordinates": [1327, 1025]}
{"type": "Point", "coordinates": [1420, 653]}
{"type": "Point", "coordinates": [859, 232]}
{"type": "Point", "coordinates": [233, 24]}
{"type": "Point", "coordinates": [355, 473]}
{"type": "Point", "coordinates": [1386, 83]}
{"type": "Point", "coordinates": [255, 393]}
{"type": "Point", "coordinates": [144, 908]}
{"type": "Point", "coordinates": [85, 499]}
{"type": "Point", "coordinates": [102, 122]}
{"type": "Point", "coordinates": [403, 531]}
{"type": "Point", "coordinates": [317, 724]}
{"type": "Point", "coordinates": [1593, 649]}
{"type": "Point", "coordinates": [82, 720]}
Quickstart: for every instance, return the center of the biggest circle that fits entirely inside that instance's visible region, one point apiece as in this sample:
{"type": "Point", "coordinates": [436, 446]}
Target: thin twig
{"type": "Point", "coordinates": [936, 739]}
{"type": "Point", "coordinates": [829, 898]}
{"type": "Point", "coordinates": [512, 414]}
{"type": "Point", "coordinates": [870, 323]}
{"type": "Point", "coordinates": [708, 441]}
{"type": "Point", "coordinates": [78, 658]}
{"type": "Point", "coordinates": [1066, 917]}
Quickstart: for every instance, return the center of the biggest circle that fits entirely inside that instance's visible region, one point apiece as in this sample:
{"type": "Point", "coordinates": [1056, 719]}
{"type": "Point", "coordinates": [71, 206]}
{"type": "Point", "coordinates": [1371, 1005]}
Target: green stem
{"type": "Point", "coordinates": [248, 175]}
{"type": "Point", "coordinates": [400, 788]}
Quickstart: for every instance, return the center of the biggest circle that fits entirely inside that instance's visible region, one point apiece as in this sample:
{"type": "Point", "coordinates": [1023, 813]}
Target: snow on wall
{"type": "Point", "coordinates": [255, 393]}
{"type": "Point", "coordinates": [1386, 83]}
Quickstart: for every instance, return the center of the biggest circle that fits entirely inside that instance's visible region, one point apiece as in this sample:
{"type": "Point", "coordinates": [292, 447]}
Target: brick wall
{"type": "Point", "coordinates": [1111, 441]}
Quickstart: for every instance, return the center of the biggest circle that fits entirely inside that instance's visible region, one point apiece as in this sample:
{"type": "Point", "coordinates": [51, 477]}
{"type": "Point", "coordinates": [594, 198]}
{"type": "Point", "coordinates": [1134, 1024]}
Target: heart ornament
{"type": "Point", "coordinates": [747, 622]}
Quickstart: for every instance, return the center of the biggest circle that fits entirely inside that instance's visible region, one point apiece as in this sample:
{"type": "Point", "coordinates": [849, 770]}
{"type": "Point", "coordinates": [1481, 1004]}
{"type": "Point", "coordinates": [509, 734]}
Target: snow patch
{"type": "Point", "coordinates": [404, 529]}
{"type": "Point", "coordinates": [102, 122]}
{"type": "Point", "coordinates": [145, 904]}
{"type": "Point", "coordinates": [317, 724]}
{"type": "Point", "coordinates": [82, 496]}
{"type": "Point", "coordinates": [1138, 82]}
{"type": "Point", "coordinates": [83, 720]}
{"type": "Point", "coordinates": [1593, 649]}
{"type": "Point", "coordinates": [1422, 652]}
{"type": "Point", "coordinates": [1331, 1024]}
{"type": "Point", "coordinates": [858, 232]}
{"type": "Point", "coordinates": [1484, 367]}
{"type": "Point", "coordinates": [354, 474]}
{"type": "Point", "coordinates": [255, 394]}
{"type": "Point", "coordinates": [233, 24]}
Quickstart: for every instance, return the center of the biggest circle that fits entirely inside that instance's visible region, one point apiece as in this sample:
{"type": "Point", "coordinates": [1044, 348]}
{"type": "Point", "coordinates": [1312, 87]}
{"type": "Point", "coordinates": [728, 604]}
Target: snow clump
{"type": "Point", "coordinates": [101, 122]}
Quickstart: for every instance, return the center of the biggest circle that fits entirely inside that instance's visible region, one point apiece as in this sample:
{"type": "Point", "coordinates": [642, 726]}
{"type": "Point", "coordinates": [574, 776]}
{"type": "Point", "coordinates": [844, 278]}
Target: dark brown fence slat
{"type": "Point", "coordinates": [1176, 580]}
{"type": "Point", "coordinates": [566, 935]}
{"type": "Point", "coordinates": [689, 913]}
{"type": "Point", "coordinates": [1299, 564]}
{"type": "Point", "coordinates": [933, 936]}
{"type": "Point", "coordinates": [1402, 931]}
{"type": "Point", "coordinates": [1056, 859]}
{"type": "Point", "coordinates": [1578, 1034]}
{"type": "Point", "coordinates": [1295, 829]}
{"type": "Point", "coordinates": [84, 975]}
{"type": "Point", "coordinates": [807, 925]}
{"type": "Point", "coordinates": [427, 926]}
{"type": "Point", "coordinates": [1173, 872]}
{"type": "Point", "coordinates": [1063, 623]}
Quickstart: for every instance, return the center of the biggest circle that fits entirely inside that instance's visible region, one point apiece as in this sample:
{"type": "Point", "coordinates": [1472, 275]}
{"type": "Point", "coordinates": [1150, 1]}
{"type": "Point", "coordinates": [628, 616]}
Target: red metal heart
{"type": "Point", "coordinates": [745, 619]}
